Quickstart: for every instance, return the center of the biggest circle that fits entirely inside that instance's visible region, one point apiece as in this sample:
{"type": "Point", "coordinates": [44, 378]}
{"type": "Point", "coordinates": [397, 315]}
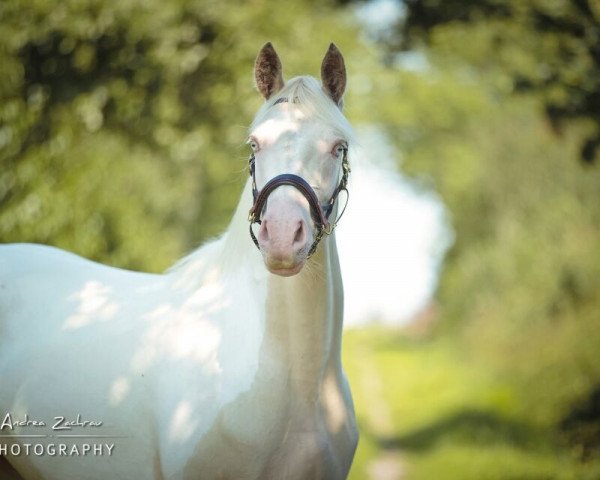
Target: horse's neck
{"type": "Point", "coordinates": [304, 313]}
{"type": "Point", "coordinates": [304, 320]}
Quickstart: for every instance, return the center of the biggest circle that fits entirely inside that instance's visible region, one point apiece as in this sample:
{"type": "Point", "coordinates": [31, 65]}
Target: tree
{"type": "Point", "coordinates": [551, 48]}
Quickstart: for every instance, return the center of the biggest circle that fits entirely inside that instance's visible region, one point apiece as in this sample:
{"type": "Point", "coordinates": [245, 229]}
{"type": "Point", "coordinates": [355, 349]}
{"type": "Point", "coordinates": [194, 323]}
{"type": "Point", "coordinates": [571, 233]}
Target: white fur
{"type": "Point", "coordinates": [216, 369]}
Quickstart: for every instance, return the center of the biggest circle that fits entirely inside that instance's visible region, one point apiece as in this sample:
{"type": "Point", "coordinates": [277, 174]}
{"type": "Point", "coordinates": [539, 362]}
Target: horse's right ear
{"type": "Point", "coordinates": [268, 72]}
{"type": "Point", "coordinates": [333, 75]}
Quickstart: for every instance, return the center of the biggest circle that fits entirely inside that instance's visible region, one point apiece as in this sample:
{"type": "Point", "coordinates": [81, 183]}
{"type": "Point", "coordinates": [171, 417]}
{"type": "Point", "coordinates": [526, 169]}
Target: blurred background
{"type": "Point", "coordinates": [473, 313]}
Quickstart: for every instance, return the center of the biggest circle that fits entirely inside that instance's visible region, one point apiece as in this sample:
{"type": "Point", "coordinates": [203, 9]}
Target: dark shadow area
{"type": "Point", "coordinates": [7, 472]}
{"type": "Point", "coordinates": [580, 427]}
{"type": "Point", "coordinates": [468, 426]}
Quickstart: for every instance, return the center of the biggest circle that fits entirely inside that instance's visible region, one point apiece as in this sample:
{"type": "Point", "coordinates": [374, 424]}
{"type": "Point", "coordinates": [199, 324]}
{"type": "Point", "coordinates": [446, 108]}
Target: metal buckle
{"type": "Point", "coordinates": [329, 230]}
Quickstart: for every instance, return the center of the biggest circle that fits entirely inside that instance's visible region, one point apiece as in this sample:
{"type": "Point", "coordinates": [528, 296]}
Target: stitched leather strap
{"type": "Point", "coordinates": [317, 211]}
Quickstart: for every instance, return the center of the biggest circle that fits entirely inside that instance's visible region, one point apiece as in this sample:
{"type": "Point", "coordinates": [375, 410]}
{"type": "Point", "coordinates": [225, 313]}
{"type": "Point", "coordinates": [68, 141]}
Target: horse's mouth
{"type": "Point", "coordinates": [283, 268]}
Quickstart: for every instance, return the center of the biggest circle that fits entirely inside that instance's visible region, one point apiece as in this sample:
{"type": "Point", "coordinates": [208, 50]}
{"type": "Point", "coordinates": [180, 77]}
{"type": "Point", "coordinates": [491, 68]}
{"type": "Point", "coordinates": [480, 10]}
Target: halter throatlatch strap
{"type": "Point", "coordinates": [320, 213]}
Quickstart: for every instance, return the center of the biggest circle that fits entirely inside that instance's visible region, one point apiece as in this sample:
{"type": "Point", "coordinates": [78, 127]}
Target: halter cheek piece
{"type": "Point", "coordinates": [320, 213]}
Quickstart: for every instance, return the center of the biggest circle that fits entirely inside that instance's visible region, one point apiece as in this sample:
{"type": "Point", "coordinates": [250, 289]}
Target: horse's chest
{"type": "Point", "coordinates": [274, 440]}
{"type": "Point", "coordinates": [314, 454]}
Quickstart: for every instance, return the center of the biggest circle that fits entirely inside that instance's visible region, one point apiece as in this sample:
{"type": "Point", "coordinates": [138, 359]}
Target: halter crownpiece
{"type": "Point", "coordinates": [320, 213]}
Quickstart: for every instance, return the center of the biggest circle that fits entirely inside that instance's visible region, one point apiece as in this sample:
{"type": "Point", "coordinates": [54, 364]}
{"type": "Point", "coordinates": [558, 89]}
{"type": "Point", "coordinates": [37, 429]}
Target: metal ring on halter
{"type": "Point", "coordinates": [320, 213]}
{"type": "Point", "coordinates": [332, 226]}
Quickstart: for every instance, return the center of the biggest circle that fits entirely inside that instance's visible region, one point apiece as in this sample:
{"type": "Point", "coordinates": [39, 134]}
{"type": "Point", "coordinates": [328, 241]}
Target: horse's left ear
{"type": "Point", "coordinates": [333, 74]}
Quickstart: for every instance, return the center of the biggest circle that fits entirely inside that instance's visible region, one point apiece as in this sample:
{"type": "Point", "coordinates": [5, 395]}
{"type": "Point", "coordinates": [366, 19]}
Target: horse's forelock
{"type": "Point", "coordinates": [308, 96]}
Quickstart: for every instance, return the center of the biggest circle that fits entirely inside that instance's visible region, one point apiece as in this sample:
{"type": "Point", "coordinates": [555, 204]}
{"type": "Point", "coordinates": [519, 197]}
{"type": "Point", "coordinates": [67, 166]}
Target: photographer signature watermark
{"type": "Point", "coordinates": [60, 436]}
{"type": "Point", "coordinates": [58, 423]}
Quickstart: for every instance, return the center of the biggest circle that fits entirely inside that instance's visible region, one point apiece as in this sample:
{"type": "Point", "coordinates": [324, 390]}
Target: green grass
{"type": "Point", "coordinates": [428, 411]}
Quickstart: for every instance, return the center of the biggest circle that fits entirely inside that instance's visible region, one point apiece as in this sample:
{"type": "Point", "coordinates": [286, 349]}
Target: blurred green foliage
{"type": "Point", "coordinates": [551, 48]}
{"type": "Point", "coordinates": [445, 415]}
{"type": "Point", "coordinates": [519, 288]}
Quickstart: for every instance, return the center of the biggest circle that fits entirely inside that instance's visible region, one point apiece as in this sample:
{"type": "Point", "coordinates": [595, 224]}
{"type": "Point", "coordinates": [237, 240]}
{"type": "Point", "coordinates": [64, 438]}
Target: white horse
{"type": "Point", "coordinates": [218, 369]}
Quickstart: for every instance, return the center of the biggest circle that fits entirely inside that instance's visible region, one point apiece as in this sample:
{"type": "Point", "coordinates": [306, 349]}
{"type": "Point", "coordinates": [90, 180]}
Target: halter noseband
{"type": "Point", "coordinates": [320, 213]}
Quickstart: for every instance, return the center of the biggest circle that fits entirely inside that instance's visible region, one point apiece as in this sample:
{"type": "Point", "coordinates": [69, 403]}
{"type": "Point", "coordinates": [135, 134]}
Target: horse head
{"type": "Point", "coordinates": [299, 165]}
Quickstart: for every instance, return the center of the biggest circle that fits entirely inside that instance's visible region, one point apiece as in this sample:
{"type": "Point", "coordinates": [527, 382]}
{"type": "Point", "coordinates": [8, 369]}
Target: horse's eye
{"type": "Point", "coordinates": [339, 149]}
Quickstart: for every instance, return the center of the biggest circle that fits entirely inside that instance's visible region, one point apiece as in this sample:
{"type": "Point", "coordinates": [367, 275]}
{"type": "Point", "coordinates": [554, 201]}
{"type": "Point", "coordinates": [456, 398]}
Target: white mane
{"type": "Point", "coordinates": [226, 252]}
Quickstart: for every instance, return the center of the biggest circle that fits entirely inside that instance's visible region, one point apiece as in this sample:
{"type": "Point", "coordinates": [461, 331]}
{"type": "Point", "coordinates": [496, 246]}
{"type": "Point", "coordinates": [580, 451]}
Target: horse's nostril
{"type": "Point", "coordinates": [299, 236]}
{"type": "Point", "coordinates": [263, 234]}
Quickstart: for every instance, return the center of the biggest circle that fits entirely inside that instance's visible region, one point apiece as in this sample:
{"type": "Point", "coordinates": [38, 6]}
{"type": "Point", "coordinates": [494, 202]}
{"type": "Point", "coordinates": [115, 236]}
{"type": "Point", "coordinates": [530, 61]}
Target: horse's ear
{"type": "Point", "coordinates": [333, 74]}
{"type": "Point", "coordinates": [268, 72]}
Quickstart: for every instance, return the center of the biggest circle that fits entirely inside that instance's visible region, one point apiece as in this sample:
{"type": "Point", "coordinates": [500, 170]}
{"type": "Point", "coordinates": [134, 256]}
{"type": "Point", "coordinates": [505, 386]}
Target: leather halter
{"type": "Point", "coordinates": [320, 213]}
